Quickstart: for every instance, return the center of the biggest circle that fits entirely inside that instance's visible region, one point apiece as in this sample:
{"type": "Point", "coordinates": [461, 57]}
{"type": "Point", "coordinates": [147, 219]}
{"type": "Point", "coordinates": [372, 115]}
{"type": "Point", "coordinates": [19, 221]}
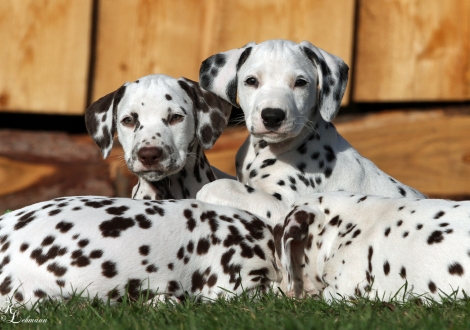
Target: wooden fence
{"type": "Point", "coordinates": [58, 55]}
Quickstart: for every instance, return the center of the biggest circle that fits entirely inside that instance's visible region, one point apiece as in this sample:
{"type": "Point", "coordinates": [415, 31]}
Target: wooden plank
{"type": "Point", "coordinates": [413, 50]}
{"type": "Point", "coordinates": [136, 38]}
{"type": "Point", "coordinates": [428, 150]}
{"type": "Point", "coordinates": [37, 166]}
{"type": "Point", "coordinates": [44, 62]}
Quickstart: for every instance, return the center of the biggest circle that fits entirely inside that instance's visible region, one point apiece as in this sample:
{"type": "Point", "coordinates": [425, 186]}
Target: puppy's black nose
{"type": "Point", "coordinates": [149, 155]}
{"type": "Point", "coordinates": [272, 118]}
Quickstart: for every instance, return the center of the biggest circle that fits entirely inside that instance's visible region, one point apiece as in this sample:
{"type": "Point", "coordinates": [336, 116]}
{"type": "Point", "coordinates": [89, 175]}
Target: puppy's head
{"type": "Point", "coordinates": [277, 84]}
{"type": "Point", "coordinates": [158, 119]}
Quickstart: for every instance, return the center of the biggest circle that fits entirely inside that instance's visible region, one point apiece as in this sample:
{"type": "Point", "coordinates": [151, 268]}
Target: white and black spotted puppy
{"type": "Point", "coordinates": [163, 124]}
{"type": "Point", "coordinates": [356, 245]}
{"type": "Point", "coordinates": [289, 94]}
{"type": "Point", "coordinates": [105, 246]}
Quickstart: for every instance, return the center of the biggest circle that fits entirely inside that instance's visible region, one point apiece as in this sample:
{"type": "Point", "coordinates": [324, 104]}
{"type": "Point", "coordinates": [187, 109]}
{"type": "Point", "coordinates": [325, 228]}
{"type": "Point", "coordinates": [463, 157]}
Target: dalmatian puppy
{"type": "Point", "coordinates": [289, 94]}
{"type": "Point", "coordinates": [377, 247]}
{"type": "Point", "coordinates": [104, 246]}
{"type": "Point", "coordinates": [163, 125]}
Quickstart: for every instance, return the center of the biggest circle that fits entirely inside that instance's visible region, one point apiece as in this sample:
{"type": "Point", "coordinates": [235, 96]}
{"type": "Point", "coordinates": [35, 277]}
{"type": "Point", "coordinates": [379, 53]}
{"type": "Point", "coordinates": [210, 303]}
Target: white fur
{"type": "Point", "coordinates": [353, 244]}
{"type": "Point", "coordinates": [94, 245]}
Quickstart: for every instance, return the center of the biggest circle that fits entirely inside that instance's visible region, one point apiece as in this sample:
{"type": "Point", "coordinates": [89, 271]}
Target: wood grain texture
{"type": "Point", "coordinates": [45, 55]}
{"type": "Point", "coordinates": [413, 50]}
{"type": "Point", "coordinates": [429, 151]}
{"type": "Point", "coordinates": [37, 166]}
{"type": "Point", "coordinates": [136, 38]}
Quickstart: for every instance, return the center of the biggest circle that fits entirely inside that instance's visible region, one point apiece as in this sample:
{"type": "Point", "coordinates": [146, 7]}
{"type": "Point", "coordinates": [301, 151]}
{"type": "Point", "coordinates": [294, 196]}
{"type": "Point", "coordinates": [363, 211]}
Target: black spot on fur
{"type": "Point", "coordinates": [5, 286]}
{"type": "Point", "coordinates": [114, 227]}
{"type": "Point", "coordinates": [151, 269]}
{"type": "Point", "coordinates": [96, 254]}
{"type": "Point", "coordinates": [386, 268]}
{"type": "Point", "coordinates": [402, 191]}
{"type": "Point", "coordinates": [117, 210]}
{"type": "Point", "coordinates": [234, 238]}
{"type": "Point", "coordinates": [63, 226]}
{"type": "Point", "coordinates": [109, 269]}
{"type": "Point", "coordinates": [403, 272]}
{"type": "Point", "coordinates": [24, 220]}
{"type": "Point", "coordinates": [99, 204]}
{"type": "Point", "coordinates": [435, 237]}
{"type": "Point", "coordinates": [173, 286]}
{"type": "Point", "coordinates": [387, 231]}
{"type": "Point", "coordinates": [39, 293]}
{"type": "Point", "coordinates": [439, 214]}
{"type": "Point", "coordinates": [456, 269]}
{"type": "Point", "coordinates": [328, 172]}
{"type": "Point", "coordinates": [432, 287]}
{"type": "Point", "coordinates": [24, 247]}
{"type": "Point", "coordinates": [197, 281]}
{"type": "Point", "coordinates": [56, 269]}
{"type": "Point", "coordinates": [54, 212]}
{"type": "Point", "coordinates": [268, 162]}
{"type": "Point", "coordinates": [48, 240]}
{"type": "Point", "coordinates": [143, 222]}
{"type": "Point", "coordinates": [82, 243]}
{"type": "Point", "coordinates": [203, 246]}
{"type": "Point", "coordinates": [278, 196]}
{"type": "Point", "coordinates": [144, 250]}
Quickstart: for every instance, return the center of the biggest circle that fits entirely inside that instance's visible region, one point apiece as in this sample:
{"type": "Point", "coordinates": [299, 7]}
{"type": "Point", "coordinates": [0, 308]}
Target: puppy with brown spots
{"type": "Point", "coordinates": [103, 246]}
{"type": "Point", "coordinates": [355, 245]}
{"type": "Point", "coordinates": [164, 125]}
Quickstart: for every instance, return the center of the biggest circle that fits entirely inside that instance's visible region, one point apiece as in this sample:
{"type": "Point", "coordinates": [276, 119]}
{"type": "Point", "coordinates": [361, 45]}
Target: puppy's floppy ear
{"type": "Point", "coordinates": [332, 79]}
{"type": "Point", "coordinates": [218, 73]}
{"type": "Point", "coordinates": [211, 113]}
{"type": "Point", "coordinates": [100, 119]}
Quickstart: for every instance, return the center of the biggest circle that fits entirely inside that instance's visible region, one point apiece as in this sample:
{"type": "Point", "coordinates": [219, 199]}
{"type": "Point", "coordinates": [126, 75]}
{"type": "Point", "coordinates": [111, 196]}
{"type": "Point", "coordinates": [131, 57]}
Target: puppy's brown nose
{"type": "Point", "coordinates": [149, 155]}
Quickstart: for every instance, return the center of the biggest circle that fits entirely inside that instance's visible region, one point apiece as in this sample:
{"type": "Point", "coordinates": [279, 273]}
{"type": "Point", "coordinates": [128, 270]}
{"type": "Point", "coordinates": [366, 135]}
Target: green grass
{"type": "Point", "coordinates": [265, 312]}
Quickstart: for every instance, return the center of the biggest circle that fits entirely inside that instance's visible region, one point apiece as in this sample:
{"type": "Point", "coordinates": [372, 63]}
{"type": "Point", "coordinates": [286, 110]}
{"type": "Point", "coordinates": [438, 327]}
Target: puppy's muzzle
{"type": "Point", "coordinates": [149, 156]}
{"type": "Point", "coordinates": [272, 118]}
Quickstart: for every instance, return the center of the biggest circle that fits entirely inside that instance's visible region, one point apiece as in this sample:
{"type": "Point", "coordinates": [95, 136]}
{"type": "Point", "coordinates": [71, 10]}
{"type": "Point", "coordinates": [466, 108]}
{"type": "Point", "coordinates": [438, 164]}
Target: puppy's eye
{"type": "Point", "coordinates": [175, 118]}
{"type": "Point", "coordinates": [128, 121]}
{"type": "Point", "coordinates": [252, 81]}
{"type": "Point", "coordinates": [300, 82]}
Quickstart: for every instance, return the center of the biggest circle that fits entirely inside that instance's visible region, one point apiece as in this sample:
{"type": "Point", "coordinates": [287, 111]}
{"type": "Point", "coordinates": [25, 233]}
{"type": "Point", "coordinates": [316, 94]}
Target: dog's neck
{"type": "Point", "coordinates": [182, 185]}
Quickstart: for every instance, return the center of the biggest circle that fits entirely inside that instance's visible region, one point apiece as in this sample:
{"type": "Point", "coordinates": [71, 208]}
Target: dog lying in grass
{"type": "Point", "coordinates": [111, 248]}
{"type": "Point", "coordinates": [377, 247]}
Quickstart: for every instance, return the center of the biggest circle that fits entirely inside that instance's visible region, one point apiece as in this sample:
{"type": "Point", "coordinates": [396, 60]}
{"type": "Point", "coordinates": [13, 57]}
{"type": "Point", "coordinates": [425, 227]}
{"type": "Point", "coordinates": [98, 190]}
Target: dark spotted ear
{"type": "Point", "coordinates": [211, 113]}
{"type": "Point", "coordinates": [218, 73]}
{"type": "Point", "coordinates": [295, 238]}
{"type": "Point", "coordinates": [100, 120]}
{"type": "Point", "coordinates": [332, 79]}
